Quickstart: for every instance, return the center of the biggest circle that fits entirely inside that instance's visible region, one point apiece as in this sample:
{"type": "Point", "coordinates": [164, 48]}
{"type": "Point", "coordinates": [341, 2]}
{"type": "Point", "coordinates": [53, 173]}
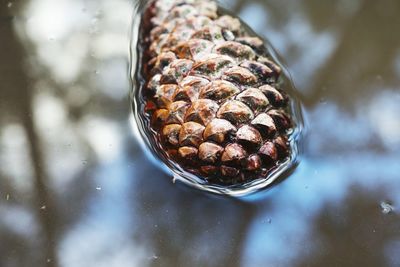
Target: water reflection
{"type": "Point", "coordinates": [345, 187]}
{"type": "Point", "coordinates": [76, 190]}
{"type": "Point", "coordinates": [293, 38]}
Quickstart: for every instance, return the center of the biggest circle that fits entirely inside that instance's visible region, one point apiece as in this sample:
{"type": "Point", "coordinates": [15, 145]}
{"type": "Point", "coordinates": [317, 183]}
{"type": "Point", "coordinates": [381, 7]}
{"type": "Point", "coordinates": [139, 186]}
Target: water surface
{"type": "Point", "coordinates": [77, 190]}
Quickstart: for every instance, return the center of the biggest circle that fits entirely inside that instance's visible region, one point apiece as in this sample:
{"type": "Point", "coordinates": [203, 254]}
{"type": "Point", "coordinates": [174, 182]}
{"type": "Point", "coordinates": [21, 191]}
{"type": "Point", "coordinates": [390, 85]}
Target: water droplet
{"type": "Point", "coordinates": [267, 221]}
{"type": "Point", "coordinates": [98, 13]}
{"type": "Point", "coordinates": [386, 207]}
{"type": "Point", "coordinates": [48, 260]}
{"type": "Point", "coordinates": [9, 4]}
{"type": "Point", "coordinates": [43, 207]}
{"type": "Point", "coordinates": [154, 257]}
{"type": "Point", "coordinates": [8, 197]}
{"type": "Point", "coordinates": [94, 20]}
{"type": "Point", "coordinates": [322, 100]}
{"type": "Point", "coordinates": [98, 188]}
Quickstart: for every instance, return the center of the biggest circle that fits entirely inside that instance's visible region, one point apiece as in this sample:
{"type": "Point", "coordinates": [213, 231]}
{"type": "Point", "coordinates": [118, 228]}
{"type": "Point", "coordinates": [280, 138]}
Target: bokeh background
{"type": "Point", "coordinates": [76, 190]}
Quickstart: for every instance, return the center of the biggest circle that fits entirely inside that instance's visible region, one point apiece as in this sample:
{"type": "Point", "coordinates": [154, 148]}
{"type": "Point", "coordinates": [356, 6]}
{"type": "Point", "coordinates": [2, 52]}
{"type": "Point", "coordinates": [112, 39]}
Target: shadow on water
{"type": "Point", "coordinates": [198, 228]}
{"type": "Point", "coordinates": [375, 233]}
{"type": "Point", "coordinates": [76, 190]}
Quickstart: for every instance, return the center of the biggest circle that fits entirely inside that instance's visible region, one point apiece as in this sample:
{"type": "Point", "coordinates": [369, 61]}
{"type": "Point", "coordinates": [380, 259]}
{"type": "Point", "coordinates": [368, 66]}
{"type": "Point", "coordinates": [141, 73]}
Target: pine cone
{"type": "Point", "coordinates": [212, 93]}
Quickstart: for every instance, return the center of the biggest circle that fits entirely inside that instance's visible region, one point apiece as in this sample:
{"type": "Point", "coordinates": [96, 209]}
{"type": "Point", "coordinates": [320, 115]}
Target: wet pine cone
{"type": "Point", "coordinates": [212, 93]}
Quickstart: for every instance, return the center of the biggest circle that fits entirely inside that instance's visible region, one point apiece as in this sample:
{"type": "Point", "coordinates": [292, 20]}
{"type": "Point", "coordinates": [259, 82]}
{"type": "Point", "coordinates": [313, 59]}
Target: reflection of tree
{"type": "Point", "coordinates": [354, 232]}
{"type": "Point", "coordinates": [17, 90]}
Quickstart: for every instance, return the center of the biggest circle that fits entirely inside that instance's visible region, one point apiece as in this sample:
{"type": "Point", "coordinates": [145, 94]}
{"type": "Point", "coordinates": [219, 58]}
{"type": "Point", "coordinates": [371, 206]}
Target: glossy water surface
{"type": "Point", "coordinates": [77, 190]}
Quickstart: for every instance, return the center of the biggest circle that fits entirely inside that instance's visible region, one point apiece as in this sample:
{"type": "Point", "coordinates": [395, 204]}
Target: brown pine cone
{"type": "Point", "coordinates": [212, 93]}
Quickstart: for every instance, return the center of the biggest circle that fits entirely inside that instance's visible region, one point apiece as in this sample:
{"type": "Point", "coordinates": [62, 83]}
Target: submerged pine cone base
{"type": "Point", "coordinates": [212, 93]}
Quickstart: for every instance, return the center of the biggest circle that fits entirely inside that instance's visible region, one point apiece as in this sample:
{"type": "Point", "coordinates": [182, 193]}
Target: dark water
{"type": "Point", "coordinates": [77, 190]}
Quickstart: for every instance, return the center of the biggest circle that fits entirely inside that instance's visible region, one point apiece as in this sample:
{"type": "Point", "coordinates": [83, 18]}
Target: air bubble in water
{"type": "Point", "coordinates": [386, 207]}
